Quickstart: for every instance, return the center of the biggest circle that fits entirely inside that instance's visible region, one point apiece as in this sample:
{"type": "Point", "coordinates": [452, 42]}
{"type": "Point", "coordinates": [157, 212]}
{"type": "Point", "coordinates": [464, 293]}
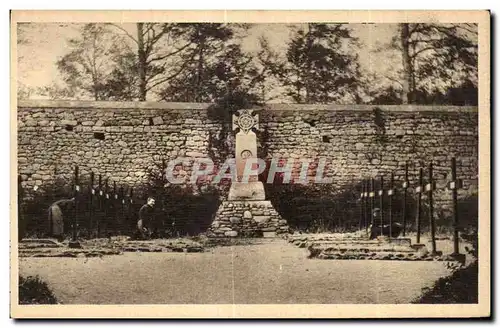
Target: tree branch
{"type": "Point", "coordinates": [393, 80]}
{"type": "Point", "coordinates": [126, 32]}
{"type": "Point", "coordinates": [416, 53]}
{"type": "Point", "coordinates": [160, 81]}
{"type": "Point", "coordinates": [169, 54]}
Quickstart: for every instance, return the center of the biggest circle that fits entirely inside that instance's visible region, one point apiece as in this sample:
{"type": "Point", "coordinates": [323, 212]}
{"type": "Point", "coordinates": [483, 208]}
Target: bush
{"type": "Point", "coordinates": [315, 208]}
{"type": "Point", "coordinates": [33, 216]}
{"type": "Point", "coordinates": [32, 290]}
{"type": "Point", "coordinates": [459, 288]}
{"type": "Point", "coordinates": [180, 210]}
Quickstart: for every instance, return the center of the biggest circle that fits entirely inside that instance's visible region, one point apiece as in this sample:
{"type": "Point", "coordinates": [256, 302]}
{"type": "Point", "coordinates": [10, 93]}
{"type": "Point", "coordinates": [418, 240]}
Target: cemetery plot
{"type": "Point", "coordinates": [356, 247]}
{"type": "Point", "coordinates": [104, 246]}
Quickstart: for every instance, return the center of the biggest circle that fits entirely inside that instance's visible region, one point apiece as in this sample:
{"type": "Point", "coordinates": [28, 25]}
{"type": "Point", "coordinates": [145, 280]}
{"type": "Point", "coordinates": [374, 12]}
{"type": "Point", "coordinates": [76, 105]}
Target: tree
{"type": "Point", "coordinates": [263, 73]}
{"type": "Point", "coordinates": [86, 67]}
{"type": "Point", "coordinates": [122, 83]}
{"type": "Point", "coordinates": [435, 57]}
{"type": "Point", "coordinates": [24, 66]}
{"type": "Point", "coordinates": [321, 65]}
{"type": "Point", "coordinates": [158, 46]}
{"type": "Point", "coordinates": [212, 67]}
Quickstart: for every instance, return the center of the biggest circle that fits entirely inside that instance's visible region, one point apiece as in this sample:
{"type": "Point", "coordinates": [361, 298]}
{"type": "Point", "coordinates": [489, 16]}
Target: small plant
{"type": "Point", "coordinates": [379, 120]}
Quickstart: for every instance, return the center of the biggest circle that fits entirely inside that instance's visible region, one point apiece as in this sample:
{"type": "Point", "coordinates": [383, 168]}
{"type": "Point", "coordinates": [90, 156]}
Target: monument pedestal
{"type": "Point", "coordinates": [247, 191]}
{"type": "Point", "coordinates": [253, 218]}
{"type": "Point", "coordinates": [246, 213]}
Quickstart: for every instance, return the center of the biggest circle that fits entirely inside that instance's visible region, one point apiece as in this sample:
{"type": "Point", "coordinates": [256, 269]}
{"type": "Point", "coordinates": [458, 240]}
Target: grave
{"type": "Point", "coordinates": [246, 211]}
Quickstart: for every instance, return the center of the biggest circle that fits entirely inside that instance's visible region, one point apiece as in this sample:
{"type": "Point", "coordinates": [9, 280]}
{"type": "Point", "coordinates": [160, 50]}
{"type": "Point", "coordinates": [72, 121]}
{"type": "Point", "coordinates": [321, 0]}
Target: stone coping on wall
{"type": "Point", "coordinates": [88, 104]}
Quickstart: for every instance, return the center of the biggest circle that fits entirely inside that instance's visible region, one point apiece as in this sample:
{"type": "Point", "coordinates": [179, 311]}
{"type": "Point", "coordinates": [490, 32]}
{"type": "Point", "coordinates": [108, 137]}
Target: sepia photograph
{"type": "Point", "coordinates": [252, 164]}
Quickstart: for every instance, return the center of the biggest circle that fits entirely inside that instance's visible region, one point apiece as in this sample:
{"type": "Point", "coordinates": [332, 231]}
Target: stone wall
{"type": "Point", "coordinates": [123, 140]}
{"type": "Point", "coordinates": [359, 142]}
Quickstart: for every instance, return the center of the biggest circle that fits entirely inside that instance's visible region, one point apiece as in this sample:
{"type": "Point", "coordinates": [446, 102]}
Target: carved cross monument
{"type": "Point", "coordinates": [247, 212]}
{"type": "Point", "coordinates": [245, 150]}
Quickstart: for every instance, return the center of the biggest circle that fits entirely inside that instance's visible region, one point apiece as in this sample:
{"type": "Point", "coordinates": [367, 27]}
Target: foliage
{"type": "Point", "coordinates": [459, 288]}
{"type": "Point", "coordinates": [180, 209]}
{"type": "Point", "coordinates": [436, 59]}
{"type": "Point", "coordinates": [32, 290]}
{"type": "Point", "coordinates": [86, 67]}
{"type": "Point", "coordinates": [122, 81]}
{"type": "Point", "coordinates": [34, 210]}
{"type": "Point", "coordinates": [379, 120]}
{"type": "Point", "coordinates": [214, 66]}
{"type": "Point", "coordinates": [314, 207]}
{"type": "Point", "coordinates": [206, 62]}
{"type": "Point", "coordinates": [320, 65]}
{"type": "Point", "coordinates": [155, 59]}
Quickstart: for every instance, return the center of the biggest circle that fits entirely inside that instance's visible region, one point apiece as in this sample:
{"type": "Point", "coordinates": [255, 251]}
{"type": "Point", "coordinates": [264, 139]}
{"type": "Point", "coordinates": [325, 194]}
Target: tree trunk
{"type": "Point", "coordinates": [405, 36]}
{"type": "Point", "coordinates": [307, 76]}
{"type": "Point", "coordinates": [142, 62]}
{"type": "Point", "coordinates": [199, 70]}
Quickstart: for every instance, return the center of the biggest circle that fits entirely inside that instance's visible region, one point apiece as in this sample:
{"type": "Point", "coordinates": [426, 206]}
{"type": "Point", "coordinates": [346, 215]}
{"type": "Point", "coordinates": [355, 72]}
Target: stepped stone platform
{"type": "Point", "coordinates": [52, 248]}
{"type": "Point", "coordinates": [355, 246]}
{"type": "Point", "coordinates": [104, 246]}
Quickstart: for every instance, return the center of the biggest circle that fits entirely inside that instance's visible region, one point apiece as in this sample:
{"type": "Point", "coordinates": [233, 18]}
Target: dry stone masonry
{"type": "Point", "coordinates": [247, 218]}
{"type": "Point", "coordinates": [247, 212]}
{"type": "Point", "coordinates": [117, 140]}
{"type": "Point", "coordinates": [122, 140]}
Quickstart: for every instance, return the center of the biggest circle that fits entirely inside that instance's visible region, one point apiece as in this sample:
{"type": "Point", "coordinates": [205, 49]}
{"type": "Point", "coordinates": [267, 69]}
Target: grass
{"type": "Point", "coordinates": [32, 290]}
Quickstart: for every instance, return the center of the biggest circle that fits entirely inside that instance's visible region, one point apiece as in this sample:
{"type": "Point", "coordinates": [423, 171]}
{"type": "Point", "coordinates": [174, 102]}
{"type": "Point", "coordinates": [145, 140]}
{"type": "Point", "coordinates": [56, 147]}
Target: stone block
{"type": "Point", "coordinates": [69, 122]}
{"type": "Point", "coordinates": [247, 215]}
{"type": "Point", "coordinates": [234, 220]}
{"type": "Point", "coordinates": [247, 191]}
{"type": "Point", "coordinates": [268, 234]}
{"type": "Point", "coordinates": [359, 146]}
{"type": "Point", "coordinates": [261, 218]}
{"type": "Point", "coordinates": [231, 233]}
{"type": "Point", "coordinates": [193, 153]}
{"type": "Point", "coordinates": [158, 120]}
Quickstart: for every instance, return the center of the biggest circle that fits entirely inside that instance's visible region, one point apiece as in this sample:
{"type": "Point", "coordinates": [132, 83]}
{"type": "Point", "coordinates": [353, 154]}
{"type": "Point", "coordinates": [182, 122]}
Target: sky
{"type": "Point", "coordinates": [45, 43]}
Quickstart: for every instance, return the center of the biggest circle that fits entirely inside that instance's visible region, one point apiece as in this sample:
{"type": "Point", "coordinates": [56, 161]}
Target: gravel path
{"type": "Point", "coordinates": [275, 272]}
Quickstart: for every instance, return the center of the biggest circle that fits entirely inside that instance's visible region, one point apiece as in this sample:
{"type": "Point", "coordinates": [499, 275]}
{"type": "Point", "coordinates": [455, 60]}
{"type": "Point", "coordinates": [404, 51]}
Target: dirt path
{"type": "Point", "coordinates": [276, 272]}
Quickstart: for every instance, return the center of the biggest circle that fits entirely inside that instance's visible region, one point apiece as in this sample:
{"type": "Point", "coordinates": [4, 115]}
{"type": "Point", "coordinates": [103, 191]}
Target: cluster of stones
{"type": "Point", "coordinates": [247, 219]}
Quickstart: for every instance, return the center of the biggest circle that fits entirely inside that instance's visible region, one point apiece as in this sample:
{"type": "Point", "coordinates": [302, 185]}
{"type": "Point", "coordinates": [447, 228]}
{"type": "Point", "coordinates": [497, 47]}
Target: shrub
{"type": "Point", "coordinates": [459, 288]}
{"type": "Point", "coordinates": [32, 290]}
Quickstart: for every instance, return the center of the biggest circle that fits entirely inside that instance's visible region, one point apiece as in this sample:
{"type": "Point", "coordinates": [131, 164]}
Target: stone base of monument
{"type": "Point", "coordinates": [252, 190]}
{"type": "Point", "coordinates": [253, 218]}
